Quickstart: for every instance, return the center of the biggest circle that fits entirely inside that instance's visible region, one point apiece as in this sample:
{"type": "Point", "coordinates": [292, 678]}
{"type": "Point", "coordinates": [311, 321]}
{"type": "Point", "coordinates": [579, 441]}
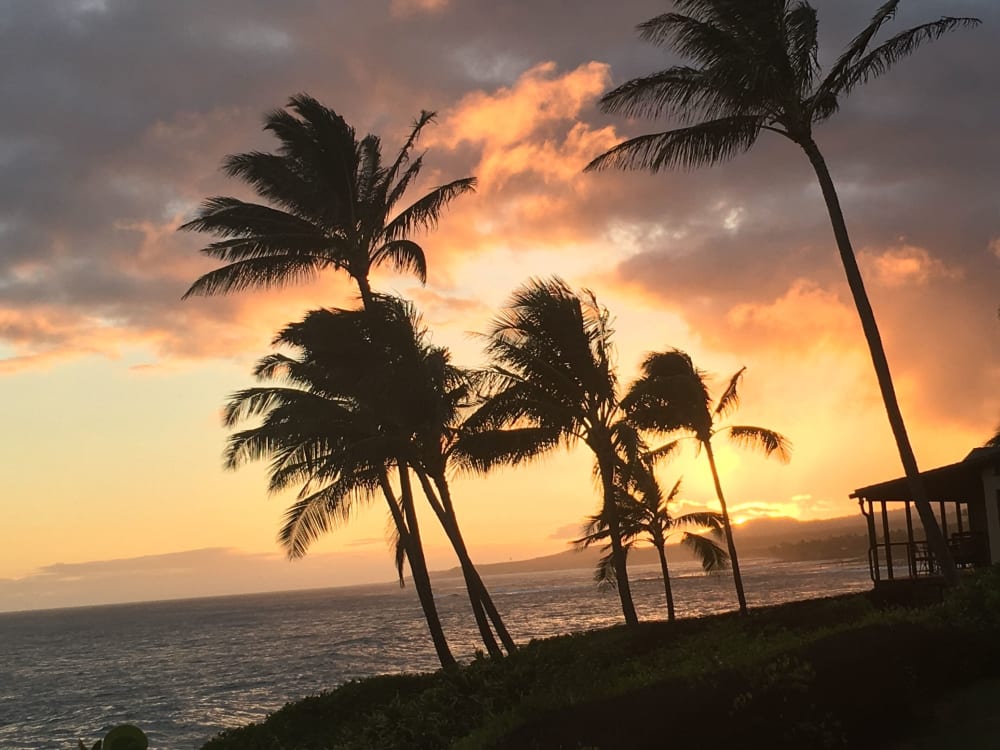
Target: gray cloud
{"type": "Point", "coordinates": [117, 114]}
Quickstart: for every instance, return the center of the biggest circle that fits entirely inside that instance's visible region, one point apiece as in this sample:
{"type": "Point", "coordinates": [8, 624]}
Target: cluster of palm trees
{"type": "Point", "coordinates": [366, 407]}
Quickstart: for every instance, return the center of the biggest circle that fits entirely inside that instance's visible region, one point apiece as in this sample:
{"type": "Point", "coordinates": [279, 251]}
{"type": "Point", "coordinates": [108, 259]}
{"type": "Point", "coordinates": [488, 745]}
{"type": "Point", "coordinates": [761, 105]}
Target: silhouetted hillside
{"type": "Point", "coordinates": [787, 538]}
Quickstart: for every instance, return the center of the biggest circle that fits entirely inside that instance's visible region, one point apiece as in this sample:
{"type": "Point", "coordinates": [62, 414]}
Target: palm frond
{"type": "Point", "coordinates": [768, 441]}
{"type": "Point", "coordinates": [882, 58]}
{"type": "Point", "coordinates": [269, 273]}
{"type": "Point", "coordinates": [801, 30]}
{"type": "Point", "coordinates": [426, 211]}
{"type": "Point", "coordinates": [712, 556]}
{"type": "Point", "coordinates": [663, 452]}
{"type": "Point", "coordinates": [403, 159]}
{"type": "Point", "coordinates": [232, 217]}
{"type": "Point", "coordinates": [404, 255]}
{"type": "Point", "coordinates": [700, 39]}
{"type": "Point", "coordinates": [313, 515]}
{"type": "Point", "coordinates": [698, 145]}
{"type": "Point", "coordinates": [485, 450]}
{"type": "Point", "coordinates": [700, 519]}
{"type": "Point", "coordinates": [395, 537]}
{"type": "Point", "coordinates": [729, 401]}
{"type": "Point", "coordinates": [282, 182]}
{"type": "Point", "coordinates": [858, 46]}
{"type": "Point", "coordinates": [685, 93]}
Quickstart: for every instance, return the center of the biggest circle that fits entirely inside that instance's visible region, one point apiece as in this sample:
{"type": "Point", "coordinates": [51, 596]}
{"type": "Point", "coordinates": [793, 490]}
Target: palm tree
{"type": "Point", "coordinates": [443, 393]}
{"type": "Point", "coordinates": [672, 394]}
{"type": "Point", "coordinates": [330, 203]}
{"type": "Point", "coordinates": [645, 515]}
{"type": "Point", "coordinates": [551, 383]}
{"type": "Point", "coordinates": [381, 358]}
{"type": "Point", "coordinates": [329, 424]}
{"type": "Point", "coordinates": [756, 69]}
{"type": "Point", "coordinates": [331, 206]}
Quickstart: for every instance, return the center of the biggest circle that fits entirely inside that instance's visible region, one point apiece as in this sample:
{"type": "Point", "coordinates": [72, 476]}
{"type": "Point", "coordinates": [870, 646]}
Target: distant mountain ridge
{"type": "Point", "coordinates": [754, 538]}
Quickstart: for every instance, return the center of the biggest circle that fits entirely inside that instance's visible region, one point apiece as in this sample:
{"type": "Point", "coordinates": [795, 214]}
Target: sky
{"type": "Point", "coordinates": [118, 113]}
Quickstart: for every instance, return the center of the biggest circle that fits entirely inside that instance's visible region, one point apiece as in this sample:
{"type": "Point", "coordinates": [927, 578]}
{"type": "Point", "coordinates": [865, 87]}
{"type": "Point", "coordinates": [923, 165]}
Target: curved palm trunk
{"type": "Point", "coordinates": [365, 288]}
{"type": "Point", "coordinates": [472, 578]}
{"type": "Point", "coordinates": [618, 557]}
{"type": "Point", "coordinates": [915, 484]}
{"type": "Point", "coordinates": [478, 612]}
{"type": "Point", "coordinates": [730, 542]}
{"type": "Point", "coordinates": [407, 525]}
{"type": "Point", "coordinates": [667, 590]}
{"type": "Point", "coordinates": [473, 584]}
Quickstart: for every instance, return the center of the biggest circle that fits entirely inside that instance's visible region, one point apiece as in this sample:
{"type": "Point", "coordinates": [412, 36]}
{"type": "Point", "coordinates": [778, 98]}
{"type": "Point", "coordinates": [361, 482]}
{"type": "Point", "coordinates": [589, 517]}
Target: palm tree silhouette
{"type": "Point", "coordinates": [552, 382]}
{"type": "Point", "coordinates": [331, 204]}
{"type": "Point", "coordinates": [333, 422]}
{"type": "Point", "coordinates": [756, 69]}
{"type": "Point", "coordinates": [379, 359]}
{"type": "Point", "coordinates": [645, 515]}
{"type": "Point", "coordinates": [672, 394]}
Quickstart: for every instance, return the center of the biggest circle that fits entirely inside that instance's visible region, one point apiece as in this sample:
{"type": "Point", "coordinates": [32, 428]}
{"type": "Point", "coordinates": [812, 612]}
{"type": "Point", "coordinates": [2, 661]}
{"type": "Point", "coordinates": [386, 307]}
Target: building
{"type": "Point", "coordinates": [965, 498]}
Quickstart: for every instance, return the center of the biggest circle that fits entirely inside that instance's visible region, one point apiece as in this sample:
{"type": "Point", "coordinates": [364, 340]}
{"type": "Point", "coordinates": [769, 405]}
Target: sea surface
{"type": "Point", "coordinates": [184, 670]}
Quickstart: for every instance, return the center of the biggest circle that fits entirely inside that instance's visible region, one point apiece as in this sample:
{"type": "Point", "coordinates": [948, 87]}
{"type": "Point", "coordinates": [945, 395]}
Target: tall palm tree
{"type": "Point", "coordinates": [672, 394]}
{"type": "Point", "coordinates": [445, 393]}
{"type": "Point", "coordinates": [330, 202]}
{"type": "Point", "coordinates": [755, 69]}
{"type": "Point", "coordinates": [381, 358]}
{"type": "Point", "coordinates": [646, 516]}
{"type": "Point", "coordinates": [328, 425]}
{"type": "Point", "coordinates": [551, 383]}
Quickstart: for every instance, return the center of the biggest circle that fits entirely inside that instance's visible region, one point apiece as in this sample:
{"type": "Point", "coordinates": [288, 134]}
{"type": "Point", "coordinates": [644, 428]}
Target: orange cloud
{"type": "Point", "coordinates": [529, 143]}
{"type": "Point", "coordinates": [531, 128]}
{"type": "Point", "coordinates": [806, 316]}
{"type": "Point", "coordinates": [904, 265]}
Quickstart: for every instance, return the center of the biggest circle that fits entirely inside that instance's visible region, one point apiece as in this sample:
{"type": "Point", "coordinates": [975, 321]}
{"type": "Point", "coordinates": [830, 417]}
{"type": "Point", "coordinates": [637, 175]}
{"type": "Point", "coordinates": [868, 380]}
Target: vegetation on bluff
{"type": "Point", "coordinates": [829, 673]}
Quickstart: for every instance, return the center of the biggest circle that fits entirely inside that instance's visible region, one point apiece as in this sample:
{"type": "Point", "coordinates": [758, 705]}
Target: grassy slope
{"type": "Point", "coordinates": [796, 675]}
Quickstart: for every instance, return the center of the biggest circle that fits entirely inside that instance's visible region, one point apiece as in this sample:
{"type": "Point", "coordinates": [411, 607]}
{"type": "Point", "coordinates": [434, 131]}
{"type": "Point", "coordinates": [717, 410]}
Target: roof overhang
{"type": "Point", "coordinates": [960, 481]}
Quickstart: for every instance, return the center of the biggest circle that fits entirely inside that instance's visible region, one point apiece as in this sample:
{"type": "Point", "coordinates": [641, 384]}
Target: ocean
{"type": "Point", "coordinates": [184, 670]}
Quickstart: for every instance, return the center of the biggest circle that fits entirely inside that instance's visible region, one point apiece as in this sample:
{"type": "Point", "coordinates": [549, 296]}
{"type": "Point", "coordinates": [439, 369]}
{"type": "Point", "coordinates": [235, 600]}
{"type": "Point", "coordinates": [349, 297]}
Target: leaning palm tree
{"type": "Point", "coordinates": [755, 69]}
{"type": "Point", "coordinates": [438, 394]}
{"type": "Point", "coordinates": [326, 427]}
{"type": "Point", "coordinates": [551, 383]}
{"type": "Point", "coordinates": [330, 202]}
{"type": "Point", "coordinates": [672, 395]}
{"type": "Point", "coordinates": [383, 359]}
{"type": "Point", "coordinates": [646, 516]}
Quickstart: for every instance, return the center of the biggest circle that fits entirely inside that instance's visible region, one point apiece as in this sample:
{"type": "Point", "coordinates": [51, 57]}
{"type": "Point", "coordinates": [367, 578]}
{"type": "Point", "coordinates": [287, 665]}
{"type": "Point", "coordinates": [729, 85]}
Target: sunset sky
{"type": "Point", "coordinates": [117, 114]}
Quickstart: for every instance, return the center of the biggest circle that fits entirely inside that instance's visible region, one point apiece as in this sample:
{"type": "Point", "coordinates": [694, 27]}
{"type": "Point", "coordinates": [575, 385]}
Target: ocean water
{"type": "Point", "coordinates": [184, 670]}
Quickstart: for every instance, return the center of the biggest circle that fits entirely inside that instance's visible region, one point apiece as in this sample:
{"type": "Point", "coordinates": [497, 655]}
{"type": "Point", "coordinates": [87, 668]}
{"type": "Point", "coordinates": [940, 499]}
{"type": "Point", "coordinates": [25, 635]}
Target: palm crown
{"type": "Point", "coordinates": [552, 381]}
{"type": "Point", "coordinates": [755, 68]}
{"type": "Point", "coordinates": [672, 394]}
{"type": "Point", "coordinates": [332, 202]}
{"type": "Point", "coordinates": [355, 401]}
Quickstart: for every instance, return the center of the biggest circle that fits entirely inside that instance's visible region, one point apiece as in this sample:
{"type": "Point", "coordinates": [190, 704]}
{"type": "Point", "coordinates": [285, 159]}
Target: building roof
{"type": "Point", "coordinates": [958, 481]}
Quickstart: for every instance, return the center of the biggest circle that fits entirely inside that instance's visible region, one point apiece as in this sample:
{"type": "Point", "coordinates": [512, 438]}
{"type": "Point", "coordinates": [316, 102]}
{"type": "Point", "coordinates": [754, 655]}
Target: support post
{"type": "Point", "coordinates": [911, 553]}
{"type": "Point", "coordinates": [888, 541]}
